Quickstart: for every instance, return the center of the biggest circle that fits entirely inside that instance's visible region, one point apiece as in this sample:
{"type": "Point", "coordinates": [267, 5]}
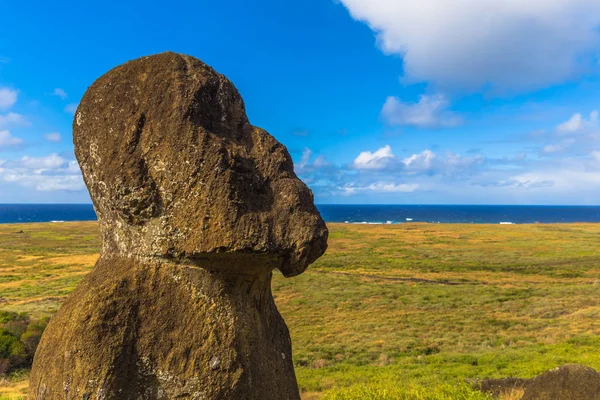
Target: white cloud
{"type": "Point", "coordinates": [71, 108]}
{"type": "Point", "coordinates": [425, 162]}
{"type": "Point", "coordinates": [429, 112]}
{"type": "Point", "coordinates": [52, 161]}
{"type": "Point", "coordinates": [12, 119]}
{"type": "Point", "coordinates": [455, 178]}
{"type": "Point", "coordinates": [563, 146]}
{"type": "Point", "coordinates": [552, 148]}
{"type": "Point", "coordinates": [560, 180]}
{"type": "Point", "coordinates": [574, 124]}
{"type": "Point", "coordinates": [53, 137]}
{"type": "Point", "coordinates": [7, 140]}
{"type": "Point", "coordinates": [470, 44]}
{"type": "Point", "coordinates": [379, 159]}
{"type": "Point", "coordinates": [49, 173]}
{"type": "Point", "coordinates": [60, 93]}
{"type": "Point", "coordinates": [305, 159]}
{"type": "Point", "coordinates": [320, 162]}
{"type": "Point", "coordinates": [8, 98]}
{"type": "Point", "coordinates": [578, 123]}
{"type": "Point", "coordinates": [378, 187]}
{"type": "Point", "coordinates": [392, 188]}
{"type": "Point", "coordinates": [575, 136]}
{"type": "Point", "coordinates": [457, 162]}
{"type": "Point", "coordinates": [422, 161]}
{"type": "Point", "coordinates": [310, 171]}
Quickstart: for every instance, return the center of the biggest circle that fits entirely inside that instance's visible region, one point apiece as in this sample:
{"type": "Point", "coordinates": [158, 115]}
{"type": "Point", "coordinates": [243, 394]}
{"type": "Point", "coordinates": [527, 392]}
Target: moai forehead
{"type": "Point", "coordinates": [175, 169]}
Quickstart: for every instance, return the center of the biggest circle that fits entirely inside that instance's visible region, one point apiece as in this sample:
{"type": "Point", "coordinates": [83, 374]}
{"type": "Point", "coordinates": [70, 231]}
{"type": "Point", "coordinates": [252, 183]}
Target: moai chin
{"type": "Point", "coordinates": [196, 207]}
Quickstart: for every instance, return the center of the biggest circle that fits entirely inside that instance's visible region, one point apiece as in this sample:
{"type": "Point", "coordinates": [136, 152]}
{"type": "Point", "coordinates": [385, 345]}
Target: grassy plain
{"type": "Point", "coordinates": [390, 312]}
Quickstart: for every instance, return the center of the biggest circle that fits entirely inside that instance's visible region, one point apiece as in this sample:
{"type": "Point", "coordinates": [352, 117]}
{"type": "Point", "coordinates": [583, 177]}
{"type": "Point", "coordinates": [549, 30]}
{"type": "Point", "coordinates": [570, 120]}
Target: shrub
{"type": "Point", "coordinates": [9, 316]}
{"type": "Point", "coordinates": [31, 337]}
{"type": "Point", "coordinates": [19, 338]}
{"type": "Point", "coordinates": [11, 350]}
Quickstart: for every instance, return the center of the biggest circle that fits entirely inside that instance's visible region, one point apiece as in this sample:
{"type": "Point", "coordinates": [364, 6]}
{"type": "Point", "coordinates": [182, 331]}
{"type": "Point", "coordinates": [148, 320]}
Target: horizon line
{"type": "Point", "coordinates": [356, 204]}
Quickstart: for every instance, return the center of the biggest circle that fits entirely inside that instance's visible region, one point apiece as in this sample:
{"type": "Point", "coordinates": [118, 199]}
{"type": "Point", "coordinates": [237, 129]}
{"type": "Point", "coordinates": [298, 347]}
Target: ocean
{"type": "Point", "coordinates": [380, 214]}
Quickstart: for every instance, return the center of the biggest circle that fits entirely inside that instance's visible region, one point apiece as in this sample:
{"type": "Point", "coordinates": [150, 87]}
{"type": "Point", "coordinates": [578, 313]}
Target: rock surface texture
{"type": "Point", "coordinates": [197, 207]}
{"type": "Point", "coordinates": [569, 382]}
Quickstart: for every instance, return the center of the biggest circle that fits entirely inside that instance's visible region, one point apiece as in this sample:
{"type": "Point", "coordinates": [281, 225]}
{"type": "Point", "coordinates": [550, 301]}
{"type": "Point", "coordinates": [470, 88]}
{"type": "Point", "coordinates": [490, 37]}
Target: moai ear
{"type": "Point", "coordinates": [137, 198]}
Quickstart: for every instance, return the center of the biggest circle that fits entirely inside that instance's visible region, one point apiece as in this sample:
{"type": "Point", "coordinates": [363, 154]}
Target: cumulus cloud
{"type": "Point", "coordinates": [11, 119]}
{"type": "Point", "coordinates": [53, 161]}
{"type": "Point", "coordinates": [53, 137]}
{"type": "Point", "coordinates": [427, 162]}
{"type": "Point", "coordinates": [8, 98]}
{"type": "Point", "coordinates": [58, 92]}
{"type": "Point", "coordinates": [571, 175]}
{"type": "Point", "coordinates": [459, 178]}
{"type": "Point", "coordinates": [578, 123]}
{"type": "Point", "coordinates": [448, 164]}
{"type": "Point", "coordinates": [381, 172]}
{"type": "Point", "coordinates": [378, 159]}
{"type": "Point", "coordinates": [577, 135]}
{"type": "Point", "coordinates": [378, 187]}
{"type": "Point", "coordinates": [7, 140]}
{"type": "Point", "coordinates": [307, 165]}
{"type": "Point", "coordinates": [470, 44]}
{"type": "Point", "coordinates": [305, 159]}
{"type": "Point", "coordinates": [428, 112]}
{"type": "Point", "coordinates": [558, 147]}
{"type": "Point", "coordinates": [422, 161]}
{"type": "Point", "coordinates": [392, 188]}
{"type": "Point", "coordinates": [320, 162]}
{"type": "Point", "coordinates": [574, 124]}
{"type": "Point", "coordinates": [49, 173]}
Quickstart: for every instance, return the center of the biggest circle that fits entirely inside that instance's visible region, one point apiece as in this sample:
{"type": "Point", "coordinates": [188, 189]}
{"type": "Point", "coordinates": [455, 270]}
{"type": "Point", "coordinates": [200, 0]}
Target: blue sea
{"type": "Point", "coordinates": [390, 214]}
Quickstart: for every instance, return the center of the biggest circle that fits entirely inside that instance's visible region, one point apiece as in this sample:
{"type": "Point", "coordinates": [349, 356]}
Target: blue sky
{"type": "Point", "coordinates": [378, 101]}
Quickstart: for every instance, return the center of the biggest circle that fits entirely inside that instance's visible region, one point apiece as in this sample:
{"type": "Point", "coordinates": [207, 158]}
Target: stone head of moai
{"type": "Point", "coordinates": [175, 169]}
{"type": "Point", "coordinates": [196, 207]}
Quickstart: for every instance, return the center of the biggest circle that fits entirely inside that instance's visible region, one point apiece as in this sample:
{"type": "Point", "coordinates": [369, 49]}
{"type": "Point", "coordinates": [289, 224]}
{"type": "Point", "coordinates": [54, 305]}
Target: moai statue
{"type": "Point", "coordinates": [196, 207]}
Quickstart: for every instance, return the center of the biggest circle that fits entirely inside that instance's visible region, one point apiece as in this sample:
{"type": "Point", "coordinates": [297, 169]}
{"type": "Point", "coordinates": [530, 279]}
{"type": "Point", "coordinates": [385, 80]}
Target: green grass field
{"type": "Point", "coordinates": [406, 311]}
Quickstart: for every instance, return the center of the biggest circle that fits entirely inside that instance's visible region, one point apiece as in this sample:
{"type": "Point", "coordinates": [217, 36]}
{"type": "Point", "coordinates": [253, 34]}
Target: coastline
{"type": "Point", "coordinates": [355, 214]}
{"type": "Point", "coordinates": [367, 224]}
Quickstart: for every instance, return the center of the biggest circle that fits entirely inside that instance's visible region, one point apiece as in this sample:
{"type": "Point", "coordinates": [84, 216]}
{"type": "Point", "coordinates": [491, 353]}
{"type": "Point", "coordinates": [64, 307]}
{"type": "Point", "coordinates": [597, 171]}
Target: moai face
{"type": "Point", "coordinates": [175, 170]}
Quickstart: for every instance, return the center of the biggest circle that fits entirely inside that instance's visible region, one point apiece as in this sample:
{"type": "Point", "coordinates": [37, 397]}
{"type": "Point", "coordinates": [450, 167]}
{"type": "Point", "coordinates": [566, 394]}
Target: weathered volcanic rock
{"type": "Point", "coordinates": [499, 387]}
{"type": "Point", "coordinates": [569, 382]}
{"type": "Point", "coordinates": [196, 208]}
